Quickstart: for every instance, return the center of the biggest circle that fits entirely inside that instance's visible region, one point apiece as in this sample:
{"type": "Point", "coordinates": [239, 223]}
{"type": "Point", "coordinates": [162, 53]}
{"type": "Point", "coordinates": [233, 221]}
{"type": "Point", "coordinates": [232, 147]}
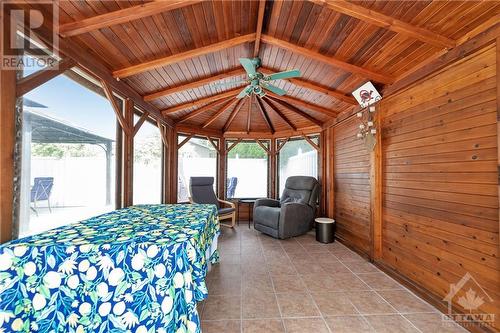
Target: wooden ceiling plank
{"type": "Point", "coordinates": [382, 78]}
{"type": "Point", "coordinates": [219, 113]}
{"type": "Point", "coordinates": [209, 99]}
{"type": "Point", "coordinates": [121, 16]}
{"type": "Point", "coordinates": [201, 110]}
{"type": "Point", "coordinates": [280, 114]}
{"type": "Point", "coordinates": [304, 104]}
{"type": "Point", "coordinates": [387, 22]}
{"type": "Point", "coordinates": [313, 86]}
{"type": "Point", "coordinates": [175, 58]}
{"type": "Point", "coordinates": [194, 84]}
{"type": "Point", "coordinates": [297, 111]}
{"type": "Point", "coordinates": [234, 113]}
{"type": "Point", "coordinates": [260, 21]}
{"type": "Point", "coordinates": [34, 80]}
{"type": "Point", "coordinates": [265, 115]}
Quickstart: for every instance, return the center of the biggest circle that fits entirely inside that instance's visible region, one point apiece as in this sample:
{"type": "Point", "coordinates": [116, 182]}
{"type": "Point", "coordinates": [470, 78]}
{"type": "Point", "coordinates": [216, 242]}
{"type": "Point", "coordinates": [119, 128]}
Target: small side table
{"type": "Point", "coordinates": [325, 230]}
{"type": "Point", "coordinates": [250, 203]}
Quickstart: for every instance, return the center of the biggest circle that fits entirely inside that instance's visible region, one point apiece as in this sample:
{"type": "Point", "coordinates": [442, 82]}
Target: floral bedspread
{"type": "Point", "coordinates": [139, 269]}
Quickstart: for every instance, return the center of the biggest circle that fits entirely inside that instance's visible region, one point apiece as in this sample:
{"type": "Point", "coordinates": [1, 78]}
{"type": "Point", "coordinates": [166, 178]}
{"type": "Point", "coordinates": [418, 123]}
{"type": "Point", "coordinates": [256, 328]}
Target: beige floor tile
{"type": "Point", "coordinates": [284, 283]}
{"type": "Point", "coordinates": [257, 283]}
{"type": "Point", "coordinates": [305, 325]}
{"type": "Point", "coordinates": [379, 281]}
{"type": "Point", "coordinates": [334, 304]}
{"type": "Point", "coordinates": [297, 305]}
{"type": "Point", "coordinates": [222, 307]}
{"type": "Point", "coordinates": [391, 324]}
{"type": "Point", "coordinates": [221, 326]}
{"type": "Point", "coordinates": [369, 302]}
{"type": "Point", "coordinates": [405, 302]}
{"type": "Point", "coordinates": [334, 267]}
{"type": "Point", "coordinates": [259, 305]}
{"type": "Point", "coordinates": [348, 324]}
{"type": "Point", "coordinates": [433, 323]}
{"type": "Point", "coordinates": [361, 267]}
{"type": "Point", "coordinates": [225, 286]}
{"type": "Point", "coordinates": [307, 266]}
{"type": "Point", "coordinates": [263, 326]}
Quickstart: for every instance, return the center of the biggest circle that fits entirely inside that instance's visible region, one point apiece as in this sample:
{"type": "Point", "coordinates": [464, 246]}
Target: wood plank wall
{"type": "Point", "coordinates": [440, 199]}
{"type": "Point", "coordinates": [352, 186]}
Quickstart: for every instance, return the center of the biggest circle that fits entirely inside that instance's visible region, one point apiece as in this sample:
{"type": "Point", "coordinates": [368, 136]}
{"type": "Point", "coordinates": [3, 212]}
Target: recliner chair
{"type": "Point", "coordinates": [293, 214]}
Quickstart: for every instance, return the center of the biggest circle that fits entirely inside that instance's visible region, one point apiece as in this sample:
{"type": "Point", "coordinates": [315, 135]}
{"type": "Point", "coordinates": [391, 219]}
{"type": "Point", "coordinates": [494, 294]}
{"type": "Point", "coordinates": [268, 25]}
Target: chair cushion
{"type": "Point", "coordinates": [268, 216]}
{"type": "Point", "coordinates": [202, 190]}
{"type": "Point", "coordinates": [223, 211]}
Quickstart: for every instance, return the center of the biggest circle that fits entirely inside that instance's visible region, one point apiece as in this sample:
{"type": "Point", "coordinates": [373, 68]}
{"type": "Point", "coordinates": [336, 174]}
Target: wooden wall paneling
{"type": "Point", "coordinates": [7, 145]}
{"type": "Point", "coordinates": [440, 167]}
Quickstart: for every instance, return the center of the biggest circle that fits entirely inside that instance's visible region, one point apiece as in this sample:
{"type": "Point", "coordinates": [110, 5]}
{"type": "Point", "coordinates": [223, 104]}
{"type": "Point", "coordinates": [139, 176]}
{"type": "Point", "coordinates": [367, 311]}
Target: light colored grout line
{"type": "Point", "coordinates": [274, 290]}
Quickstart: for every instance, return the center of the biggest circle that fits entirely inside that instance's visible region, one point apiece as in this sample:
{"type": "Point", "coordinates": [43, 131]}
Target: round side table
{"type": "Point", "coordinates": [325, 230]}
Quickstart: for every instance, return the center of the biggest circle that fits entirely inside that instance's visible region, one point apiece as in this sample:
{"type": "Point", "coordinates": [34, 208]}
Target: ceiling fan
{"type": "Point", "coordinates": [257, 81]}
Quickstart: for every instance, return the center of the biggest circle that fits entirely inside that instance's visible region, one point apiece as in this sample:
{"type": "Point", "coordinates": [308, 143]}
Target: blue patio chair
{"type": "Point", "coordinates": [231, 186]}
{"type": "Point", "coordinates": [41, 191]}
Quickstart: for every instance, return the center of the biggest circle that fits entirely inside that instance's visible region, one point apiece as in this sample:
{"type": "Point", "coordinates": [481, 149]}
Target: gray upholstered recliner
{"type": "Point", "coordinates": [202, 192]}
{"type": "Point", "coordinates": [293, 214]}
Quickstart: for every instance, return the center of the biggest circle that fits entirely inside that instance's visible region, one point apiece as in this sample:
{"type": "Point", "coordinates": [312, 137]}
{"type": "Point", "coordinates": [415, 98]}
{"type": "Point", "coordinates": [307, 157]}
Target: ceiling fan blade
{"type": "Point", "coordinates": [284, 75]}
{"type": "Point", "coordinates": [274, 89]}
{"type": "Point", "coordinates": [244, 92]}
{"type": "Point", "coordinates": [226, 84]}
{"type": "Point", "coordinates": [248, 65]}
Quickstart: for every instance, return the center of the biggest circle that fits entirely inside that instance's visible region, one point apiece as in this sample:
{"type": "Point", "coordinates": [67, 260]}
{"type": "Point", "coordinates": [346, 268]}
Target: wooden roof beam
{"type": "Point", "coordinates": [298, 111]}
{"type": "Point", "coordinates": [279, 113]}
{"type": "Point", "coordinates": [175, 58]}
{"type": "Point", "coordinates": [121, 16]}
{"type": "Point", "coordinates": [304, 104]}
{"type": "Point", "coordinates": [220, 112]}
{"type": "Point", "coordinates": [387, 22]}
{"type": "Point", "coordinates": [382, 78]}
{"type": "Point", "coordinates": [235, 111]}
{"type": "Point", "coordinates": [202, 109]}
{"type": "Point", "coordinates": [194, 84]}
{"type": "Point", "coordinates": [312, 86]}
{"type": "Point", "coordinates": [264, 114]}
{"type": "Point", "coordinates": [260, 21]}
{"type": "Point", "coordinates": [205, 100]}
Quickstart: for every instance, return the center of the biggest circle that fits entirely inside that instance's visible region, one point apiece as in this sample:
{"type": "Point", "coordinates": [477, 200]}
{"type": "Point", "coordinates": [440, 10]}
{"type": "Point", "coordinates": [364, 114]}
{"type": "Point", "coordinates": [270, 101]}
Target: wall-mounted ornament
{"type": "Point", "coordinates": [366, 95]}
{"type": "Point", "coordinates": [367, 127]}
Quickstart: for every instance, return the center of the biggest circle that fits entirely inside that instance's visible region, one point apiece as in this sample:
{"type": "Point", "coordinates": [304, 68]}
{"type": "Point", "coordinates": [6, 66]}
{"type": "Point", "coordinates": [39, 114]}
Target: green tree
{"type": "Point", "coordinates": [247, 150]}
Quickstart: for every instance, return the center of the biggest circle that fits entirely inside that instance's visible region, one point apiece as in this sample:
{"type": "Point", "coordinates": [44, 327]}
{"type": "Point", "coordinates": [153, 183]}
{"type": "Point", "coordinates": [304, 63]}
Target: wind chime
{"type": "Point", "coordinates": [367, 129]}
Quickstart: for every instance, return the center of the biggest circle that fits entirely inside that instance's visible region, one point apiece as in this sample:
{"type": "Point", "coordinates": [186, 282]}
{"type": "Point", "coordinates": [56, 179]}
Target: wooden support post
{"type": "Point", "coordinates": [376, 189]}
{"type": "Point", "coordinates": [320, 148]}
{"type": "Point", "coordinates": [174, 156]}
{"type": "Point", "coordinates": [128, 155]}
{"type": "Point", "coordinates": [166, 165]}
{"type": "Point", "coordinates": [498, 119]}
{"type": "Point", "coordinates": [7, 144]}
{"type": "Point", "coordinates": [222, 169]}
{"type": "Point", "coordinates": [119, 167]}
{"type": "Point", "coordinates": [273, 169]}
{"type": "Point", "coordinates": [330, 175]}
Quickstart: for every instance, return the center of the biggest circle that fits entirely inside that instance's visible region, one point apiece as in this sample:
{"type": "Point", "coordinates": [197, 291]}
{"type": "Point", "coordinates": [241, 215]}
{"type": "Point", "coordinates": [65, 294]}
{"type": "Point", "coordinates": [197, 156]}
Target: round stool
{"type": "Point", "coordinates": [325, 230]}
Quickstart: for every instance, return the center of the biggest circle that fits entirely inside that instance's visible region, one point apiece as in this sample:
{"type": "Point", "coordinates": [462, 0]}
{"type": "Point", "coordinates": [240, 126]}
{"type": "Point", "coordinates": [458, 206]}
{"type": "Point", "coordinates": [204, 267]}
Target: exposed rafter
{"type": "Point", "coordinates": [194, 84]}
{"type": "Point", "coordinates": [209, 99]}
{"type": "Point", "coordinates": [149, 65]}
{"type": "Point", "coordinates": [220, 112]}
{"type": "Point", "coordinates": [313, 86]}
{"type": "Point", "coordinates": [279, 113]}
{"type": "Point", "coordinates": [235, 111]}
{"type": "Point", "coordinates": [260, 21]}
{"type": "Point", "coordinates": [264, 114]}
{"type": "Point", "coordinates": [297, 111]}
{"type": "Point", "coordinates": [121, 16]}
{"type": "Point", "coordinates": [203, 109]}
{"type": "Point", "coordinates": [304, 104]}
{"type": "Point", "coordinates": [328, 60]}
{"type": "Point", "coordinates": [30, 82]}
{"type": "Point", "coordinates": [387, 22]}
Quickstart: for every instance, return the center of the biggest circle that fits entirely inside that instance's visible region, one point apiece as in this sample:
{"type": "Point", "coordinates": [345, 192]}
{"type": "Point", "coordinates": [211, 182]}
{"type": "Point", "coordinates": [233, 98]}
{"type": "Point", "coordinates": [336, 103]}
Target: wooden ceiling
{"type": "Point", "coordinates": [172, 52]}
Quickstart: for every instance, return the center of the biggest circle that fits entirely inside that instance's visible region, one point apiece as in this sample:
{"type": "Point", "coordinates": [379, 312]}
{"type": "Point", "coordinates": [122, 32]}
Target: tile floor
{"type": "Point", "coordinates": [264, 285]}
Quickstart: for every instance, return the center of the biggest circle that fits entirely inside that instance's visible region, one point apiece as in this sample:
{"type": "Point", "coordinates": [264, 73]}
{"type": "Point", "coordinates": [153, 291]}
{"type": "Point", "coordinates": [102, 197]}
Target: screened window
{"type": "Point", "coordinates": [196, 158]}
{"type": "Point", "coordinates": [147, 164]}
{"type": "Point", "coordinates": [247, 171]}
{"type": "Point", "coordinates": [68, 155]}
{"type": "Point", "coordinates": [297, 158]}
